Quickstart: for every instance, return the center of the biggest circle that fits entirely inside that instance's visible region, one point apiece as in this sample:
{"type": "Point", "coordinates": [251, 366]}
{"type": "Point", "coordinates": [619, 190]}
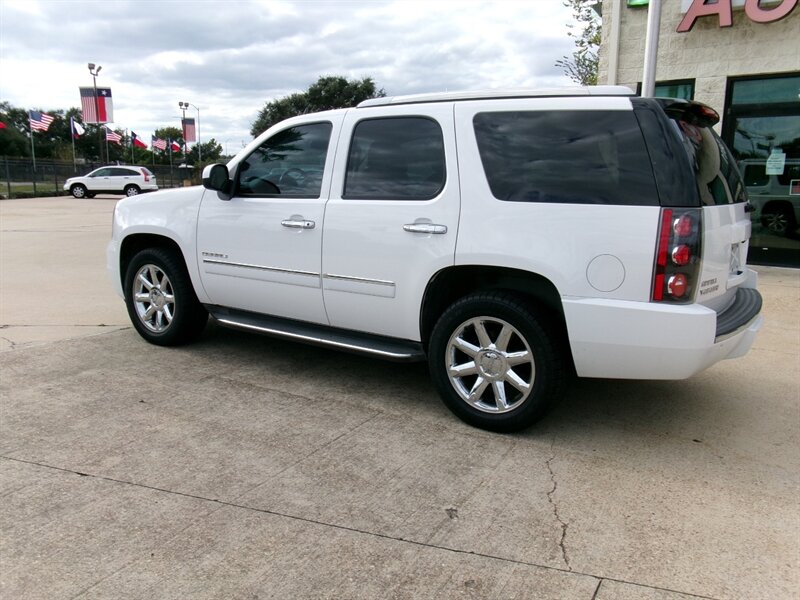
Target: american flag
{"type": "Point", "coordinates": [113, 136]}
{"type": "Point", "coordinates": [159, 143]}
{"type": "Point", "coordinates": [104, 105]}
{"type": "Point", "coordinates": [189, 130]}
{"type": "Point", "coordinates": [39, 121]}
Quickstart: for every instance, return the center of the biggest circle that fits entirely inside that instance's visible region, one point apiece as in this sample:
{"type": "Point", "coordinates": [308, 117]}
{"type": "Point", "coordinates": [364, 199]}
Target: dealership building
{"type": "Point", "coordinates": [741, 57]}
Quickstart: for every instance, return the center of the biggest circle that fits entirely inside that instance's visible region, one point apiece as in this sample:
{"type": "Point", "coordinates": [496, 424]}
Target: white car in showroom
{"type": "Point", "coordinates": [117, 179]}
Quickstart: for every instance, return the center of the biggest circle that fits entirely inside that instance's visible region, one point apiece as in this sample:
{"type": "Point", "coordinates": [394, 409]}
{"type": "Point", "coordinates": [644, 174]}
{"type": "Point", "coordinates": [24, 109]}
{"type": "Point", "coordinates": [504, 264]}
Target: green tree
{"type": "Point", "coordinates": [211, 151]}
{"type": "Point", "coordinates": [327, 93]}
{"type": "Point", "coordinates": [583, 65]}
{"type": "Point", "coordinates": [14, 140]}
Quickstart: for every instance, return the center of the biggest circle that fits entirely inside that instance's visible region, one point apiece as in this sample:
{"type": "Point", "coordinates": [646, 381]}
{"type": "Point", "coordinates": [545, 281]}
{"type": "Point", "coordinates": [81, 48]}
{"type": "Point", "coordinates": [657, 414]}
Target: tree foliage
{"type": "Point", "coordinates": [582, 67]}
{"type": "Point", "coordinates": [327, 93]}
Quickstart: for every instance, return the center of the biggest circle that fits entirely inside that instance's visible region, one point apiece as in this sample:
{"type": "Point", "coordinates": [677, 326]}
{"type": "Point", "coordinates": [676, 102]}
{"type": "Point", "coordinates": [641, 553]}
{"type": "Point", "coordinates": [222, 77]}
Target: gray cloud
{"type": "Point", "coordinates": [230, 58]}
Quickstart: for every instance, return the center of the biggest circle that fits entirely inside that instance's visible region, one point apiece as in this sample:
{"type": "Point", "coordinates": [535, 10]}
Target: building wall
{"type": "Point", "coordinates": [708, 53]}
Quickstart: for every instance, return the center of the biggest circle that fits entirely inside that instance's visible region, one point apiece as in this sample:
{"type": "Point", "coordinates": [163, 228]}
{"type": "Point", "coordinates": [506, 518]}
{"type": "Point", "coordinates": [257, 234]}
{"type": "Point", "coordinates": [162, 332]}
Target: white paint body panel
{"type": "Point", "coordinates": [168, 213]}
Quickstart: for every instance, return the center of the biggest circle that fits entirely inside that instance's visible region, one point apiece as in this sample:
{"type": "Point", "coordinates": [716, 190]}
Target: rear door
{"type": "Point", "coordinates": [392, 218]}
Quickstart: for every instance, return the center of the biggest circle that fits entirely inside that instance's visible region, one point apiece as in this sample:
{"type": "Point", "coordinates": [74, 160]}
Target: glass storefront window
{"type": "Point", "coordinates": [762, 128]}
{"type": "Point", "coordinates": [679, 88]}
{"type": "Point", "coordinates": [676, 89]}
{"type": "Point", "coordinates": [770, 91]}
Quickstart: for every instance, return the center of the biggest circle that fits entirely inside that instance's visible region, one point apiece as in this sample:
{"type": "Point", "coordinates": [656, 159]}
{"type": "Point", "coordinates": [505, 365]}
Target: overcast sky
{"type": "Point", "coordinates": [229, 58]}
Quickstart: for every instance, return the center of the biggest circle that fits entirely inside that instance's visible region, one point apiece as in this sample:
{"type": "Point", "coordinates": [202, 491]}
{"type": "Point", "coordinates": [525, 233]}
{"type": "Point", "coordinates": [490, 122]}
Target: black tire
{"type": "Point", "coordinates": [779, 219]}
{"type": "Point", "coordinates": [78, 191]}
{"type": "Point", "coordinates": [167, 311]}
{"type": "Point", "coordinates": [497, 363]}
{"type": "Point", "coordinates": [132, 190]}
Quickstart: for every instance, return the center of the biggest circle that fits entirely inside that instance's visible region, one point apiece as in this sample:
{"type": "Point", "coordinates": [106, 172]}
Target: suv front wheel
{"type": "Point", "coordinates": [160, 299]}
{"type": "Point", "coordinates": [495, 363]}
{"type": "Point", "coordinates": [78, 190]}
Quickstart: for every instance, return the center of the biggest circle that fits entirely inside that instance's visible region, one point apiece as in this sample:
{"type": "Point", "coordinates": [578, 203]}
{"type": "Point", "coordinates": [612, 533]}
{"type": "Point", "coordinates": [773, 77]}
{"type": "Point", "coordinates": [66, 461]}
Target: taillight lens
{"type": "Point", "coordinates": [146, 176]}
{"type": "Point", "coordinates": [677, 261]}
{"type": "Point", "coordinates": [681, 255]}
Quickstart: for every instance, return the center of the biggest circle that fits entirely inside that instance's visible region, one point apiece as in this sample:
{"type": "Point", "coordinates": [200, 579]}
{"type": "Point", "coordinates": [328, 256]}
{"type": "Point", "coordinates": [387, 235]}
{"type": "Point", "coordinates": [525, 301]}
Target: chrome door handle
{"type": "Point", "coordinates": [298, 224]}
{"type": "Point", "coordinates": [425, 228]}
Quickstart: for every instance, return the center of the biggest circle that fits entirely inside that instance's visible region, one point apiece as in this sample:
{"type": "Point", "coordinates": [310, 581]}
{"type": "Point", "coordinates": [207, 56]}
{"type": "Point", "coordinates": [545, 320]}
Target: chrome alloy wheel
{"type": "Point", "coordinates": [490, 365]}
{"type": "Point", "coordinates": [154, 298]}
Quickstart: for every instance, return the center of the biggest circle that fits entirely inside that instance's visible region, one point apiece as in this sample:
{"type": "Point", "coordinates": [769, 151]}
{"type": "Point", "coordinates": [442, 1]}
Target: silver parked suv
{"type": "Point", "coordinates": [775, 198]}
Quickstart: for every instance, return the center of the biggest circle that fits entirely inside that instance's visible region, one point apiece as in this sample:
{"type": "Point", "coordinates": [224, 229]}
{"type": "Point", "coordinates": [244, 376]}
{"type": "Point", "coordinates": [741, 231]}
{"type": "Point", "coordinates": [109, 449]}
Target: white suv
{"type": "Point", "coordinates": [127, 180]}
{"type": "Point", "coordinates": [508, 238]}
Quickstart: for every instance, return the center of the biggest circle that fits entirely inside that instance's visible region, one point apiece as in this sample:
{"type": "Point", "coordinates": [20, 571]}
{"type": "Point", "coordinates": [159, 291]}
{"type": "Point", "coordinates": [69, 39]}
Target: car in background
{"type": "Point", "coordinates": [128, 180]}
{"type": "Point", "coordinates": [775, 198]}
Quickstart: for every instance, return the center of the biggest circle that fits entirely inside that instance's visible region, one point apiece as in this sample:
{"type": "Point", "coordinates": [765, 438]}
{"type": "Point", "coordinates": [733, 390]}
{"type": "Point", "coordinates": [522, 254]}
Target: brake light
{"type": "Point", "coordinates": [146, 176]}
{"type": "Point", "coordinates": [677, 260]}
{"type": "Point", "coordinates": [681, 255]}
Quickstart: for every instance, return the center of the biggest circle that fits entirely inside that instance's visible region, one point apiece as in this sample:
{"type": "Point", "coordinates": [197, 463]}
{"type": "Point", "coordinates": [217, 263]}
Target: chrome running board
{"type": "Point", "coordinates": [320, 335]}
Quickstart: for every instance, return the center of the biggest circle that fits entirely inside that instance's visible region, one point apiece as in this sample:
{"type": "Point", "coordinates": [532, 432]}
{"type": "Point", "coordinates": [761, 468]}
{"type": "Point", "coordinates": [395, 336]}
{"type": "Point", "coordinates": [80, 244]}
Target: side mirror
{"type": "Point", "coordinates": [217, 178]}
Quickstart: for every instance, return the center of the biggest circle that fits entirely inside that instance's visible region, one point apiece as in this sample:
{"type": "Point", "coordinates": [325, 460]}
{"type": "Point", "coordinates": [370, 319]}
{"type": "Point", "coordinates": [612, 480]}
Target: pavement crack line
{"type": "Point", "coordinates": [355, 530]}
{"type": "Point", "coordinates": [597, 589]}
{"type": "Point", "coordinates": [550, 498]}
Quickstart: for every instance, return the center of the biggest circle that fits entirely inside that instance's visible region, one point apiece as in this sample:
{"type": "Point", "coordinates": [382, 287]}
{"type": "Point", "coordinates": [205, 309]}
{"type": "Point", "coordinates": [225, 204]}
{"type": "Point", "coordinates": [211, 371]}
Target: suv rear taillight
{"type": "Point", "coordinates": [677, 264]}
{"type": "Point", "coordinates": [146, 176]}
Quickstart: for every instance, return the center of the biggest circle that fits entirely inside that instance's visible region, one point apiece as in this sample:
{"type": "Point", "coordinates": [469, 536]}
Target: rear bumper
{"type": "Point", "coordinates": [643, 340]}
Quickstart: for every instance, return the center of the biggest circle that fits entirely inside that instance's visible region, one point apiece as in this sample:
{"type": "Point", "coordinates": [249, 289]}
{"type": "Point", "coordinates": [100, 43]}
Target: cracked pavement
{"type": "Point", "coordinates": [245, 467]}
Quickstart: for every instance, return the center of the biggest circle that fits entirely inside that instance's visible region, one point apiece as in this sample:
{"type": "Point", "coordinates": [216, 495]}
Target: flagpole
{"type": "Point", "coordinates": [130, 139]}
{"type": "Point", "coordinates": [33, 151]}
{"type": "Point", "coordinates": [33, 154]}
{"type": "Point", "coordinates": [72, 135]}
{"type": "Point", "coordinates": [170, 162]}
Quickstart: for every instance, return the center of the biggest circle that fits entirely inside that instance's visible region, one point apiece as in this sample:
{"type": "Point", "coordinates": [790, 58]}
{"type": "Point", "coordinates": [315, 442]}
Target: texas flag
{"type": "Point", "coordinates": [77, 128]}
{"type": "Point", "coordinates": [174, 146]}
{"type": "Point", "coordinates": [136, 141]}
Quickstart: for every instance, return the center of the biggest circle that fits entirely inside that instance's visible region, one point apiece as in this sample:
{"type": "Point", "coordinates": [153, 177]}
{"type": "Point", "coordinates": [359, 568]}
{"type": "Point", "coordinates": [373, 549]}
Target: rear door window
{"type": "Point", "coordinates": [395, 158]}
{"type": "Point", "coordinates": [570, 156]}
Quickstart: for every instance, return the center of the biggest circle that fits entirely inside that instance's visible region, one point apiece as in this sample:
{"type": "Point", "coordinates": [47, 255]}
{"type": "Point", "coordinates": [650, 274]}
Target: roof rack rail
{"type": "Point", "coordinates": [597, 90]}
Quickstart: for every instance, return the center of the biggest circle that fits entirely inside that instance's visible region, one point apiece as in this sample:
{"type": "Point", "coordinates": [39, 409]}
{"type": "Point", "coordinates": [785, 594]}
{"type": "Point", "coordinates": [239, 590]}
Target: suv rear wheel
{"type": "Point", "coordinates": [495, 363]}
{"type": "Point", "coordinates": [131, 190]}
{"type": "Point", "coordinates": [161, 302]}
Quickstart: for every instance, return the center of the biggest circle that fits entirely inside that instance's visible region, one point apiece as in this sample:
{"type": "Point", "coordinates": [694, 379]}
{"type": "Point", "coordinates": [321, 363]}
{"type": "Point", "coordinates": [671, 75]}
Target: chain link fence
{"type": "Point", "coordinates": [19, 178]}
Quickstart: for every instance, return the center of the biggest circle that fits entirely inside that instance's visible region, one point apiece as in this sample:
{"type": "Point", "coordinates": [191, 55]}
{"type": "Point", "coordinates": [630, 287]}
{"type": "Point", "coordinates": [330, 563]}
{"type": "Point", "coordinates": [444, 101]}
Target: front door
{"type": "Point", "coordinates": [392, 219]}
{"type": "Point", "coordinates": [260, 250]}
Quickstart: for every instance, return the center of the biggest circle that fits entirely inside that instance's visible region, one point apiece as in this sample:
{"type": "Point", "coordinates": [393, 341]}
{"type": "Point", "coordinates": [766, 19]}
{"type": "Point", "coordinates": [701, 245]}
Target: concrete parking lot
{"type": "Point", "coordinates": [246, 467]}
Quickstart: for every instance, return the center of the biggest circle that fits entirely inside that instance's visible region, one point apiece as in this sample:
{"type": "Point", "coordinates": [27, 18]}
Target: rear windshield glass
{"type": "Point", "coordinates": [718, 178]}
{"type": "Point", "coordinates": [569, 156]}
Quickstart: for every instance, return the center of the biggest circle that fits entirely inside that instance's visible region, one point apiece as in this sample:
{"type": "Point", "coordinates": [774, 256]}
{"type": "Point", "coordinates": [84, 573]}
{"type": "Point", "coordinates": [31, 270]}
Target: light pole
{"type": "Point", "coordinates": [94, 72]}
{"type": "Point", "coordinates": [183, 106]}
{"type": "Point", "coordinates": [199, 147]}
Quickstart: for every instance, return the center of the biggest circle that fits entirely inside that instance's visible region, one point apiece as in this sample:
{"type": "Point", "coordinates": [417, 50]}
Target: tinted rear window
{"type": "Point", "coordinates": [578, 157]}
{"type": "Point", "coordinates": [717, 177]}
